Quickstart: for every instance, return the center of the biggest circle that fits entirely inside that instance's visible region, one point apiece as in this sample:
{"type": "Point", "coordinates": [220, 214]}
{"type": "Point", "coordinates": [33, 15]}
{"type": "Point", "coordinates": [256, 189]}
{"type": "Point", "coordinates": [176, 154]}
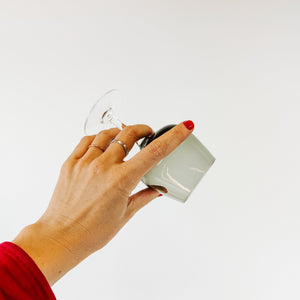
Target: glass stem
{"type": "Point", "coordinates": [108, 117]}
{"type": "Point", "coordinates": [118, 123]}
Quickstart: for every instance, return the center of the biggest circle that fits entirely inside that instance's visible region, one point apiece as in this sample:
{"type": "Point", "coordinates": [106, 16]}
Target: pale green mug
{"type": "Point", "coordinates": [178, 174]}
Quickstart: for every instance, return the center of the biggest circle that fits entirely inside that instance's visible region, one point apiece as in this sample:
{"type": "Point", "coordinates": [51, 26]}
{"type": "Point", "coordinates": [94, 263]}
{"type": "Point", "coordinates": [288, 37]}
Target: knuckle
{"type": "Point", "coordinates": [125, 183]}
{"type": "Point", "coordinates": [97, 166]}
{"type": "Point", "coordinates": [82, 163]}
{"type": "Point", "coordinates": [157, 149]}
{"type": "Point", "coordinates": [87, 138]}
{"type": "Point", "coordinates": [149, 128]}
{"type": "Point", "coordinates": [105, 134]}
{"type": "Point", "coordinates": [178, 135]}
{"type": "Point", "coordinates": [175, 142]}
{"type": "Point", "coordinates": [131, 131]}
{"type": "Point", "coordinates": [84, 138]}
{"type": "Point", "coordinates": [114, 130]}
{"type": "Point", "coordinates": [108, 133]}
{"type": "Point", "coordinates": [67, 167]}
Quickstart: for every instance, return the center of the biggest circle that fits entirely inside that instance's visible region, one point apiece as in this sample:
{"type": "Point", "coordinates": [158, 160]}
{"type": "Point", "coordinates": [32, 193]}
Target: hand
{"type": "Point", "coordinates": [91, 201]}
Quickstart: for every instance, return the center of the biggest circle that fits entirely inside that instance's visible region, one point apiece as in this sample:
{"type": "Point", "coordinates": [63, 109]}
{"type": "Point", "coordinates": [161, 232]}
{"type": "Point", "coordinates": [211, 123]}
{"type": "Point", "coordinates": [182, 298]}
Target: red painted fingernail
{"type": "Point", "coordinates": [159, 195]}
{"type": "Point", "coordinates": [189, 124]}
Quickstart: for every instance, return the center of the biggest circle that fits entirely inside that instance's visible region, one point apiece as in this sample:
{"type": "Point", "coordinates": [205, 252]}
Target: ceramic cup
{"type": "Point", "coordinates": [178, 174]}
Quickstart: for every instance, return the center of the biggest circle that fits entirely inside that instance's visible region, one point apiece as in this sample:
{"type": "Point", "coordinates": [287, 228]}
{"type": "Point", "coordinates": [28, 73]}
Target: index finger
{"type": "Point", "coordinates": [158, 149]}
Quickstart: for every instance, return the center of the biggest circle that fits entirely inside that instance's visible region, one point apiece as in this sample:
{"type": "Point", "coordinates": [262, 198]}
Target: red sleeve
{"type": "Point", "coordinates": [20, 277]}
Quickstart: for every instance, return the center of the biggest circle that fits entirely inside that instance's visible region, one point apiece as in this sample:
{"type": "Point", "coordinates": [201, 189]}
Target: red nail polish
{"type": "Point", "coordinates": [159, 195]}
{"type": "Point", "coordinates": [189, 124]}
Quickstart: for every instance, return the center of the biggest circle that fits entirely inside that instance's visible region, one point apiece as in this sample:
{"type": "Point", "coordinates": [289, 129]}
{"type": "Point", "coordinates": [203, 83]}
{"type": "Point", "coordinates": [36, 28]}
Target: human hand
{"type": "Point", "coordinates": [92, 200]}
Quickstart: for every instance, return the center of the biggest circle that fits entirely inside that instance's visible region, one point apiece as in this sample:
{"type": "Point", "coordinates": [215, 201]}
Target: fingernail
{"type": "Point", "coordinates": [189, 124]}
{"type": "Point", "coordinates": [159, 195]}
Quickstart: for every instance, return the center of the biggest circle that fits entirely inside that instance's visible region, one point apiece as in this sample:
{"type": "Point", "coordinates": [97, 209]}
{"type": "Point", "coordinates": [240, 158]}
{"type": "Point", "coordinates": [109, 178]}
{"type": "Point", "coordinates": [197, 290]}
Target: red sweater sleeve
{"type": "Point", "coordinates": [20, 277]}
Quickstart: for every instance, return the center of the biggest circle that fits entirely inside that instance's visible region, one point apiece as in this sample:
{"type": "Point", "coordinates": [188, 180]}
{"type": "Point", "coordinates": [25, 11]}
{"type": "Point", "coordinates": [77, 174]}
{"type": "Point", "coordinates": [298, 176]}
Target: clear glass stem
{"type": "Point", "coordinates": [108, 117]}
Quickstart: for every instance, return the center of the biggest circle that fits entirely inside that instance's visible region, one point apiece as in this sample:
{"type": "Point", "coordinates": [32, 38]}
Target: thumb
{"type": "Point", "coordinates": [140, 199]}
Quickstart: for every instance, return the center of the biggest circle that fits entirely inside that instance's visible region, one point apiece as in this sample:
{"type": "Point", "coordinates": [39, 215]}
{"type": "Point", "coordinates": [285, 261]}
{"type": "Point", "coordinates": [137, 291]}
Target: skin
{"type": "Point", "coordinates": [92, 199]}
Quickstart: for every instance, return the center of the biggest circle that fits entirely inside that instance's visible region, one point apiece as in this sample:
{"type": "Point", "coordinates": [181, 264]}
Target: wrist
{"type": "Point", "coordinates": [52, 253]}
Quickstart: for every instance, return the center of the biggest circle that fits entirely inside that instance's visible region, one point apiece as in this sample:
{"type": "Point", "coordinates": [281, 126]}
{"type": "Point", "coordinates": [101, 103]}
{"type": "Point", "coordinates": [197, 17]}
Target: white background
{"type": "Point", "coordinates": [230, 66]}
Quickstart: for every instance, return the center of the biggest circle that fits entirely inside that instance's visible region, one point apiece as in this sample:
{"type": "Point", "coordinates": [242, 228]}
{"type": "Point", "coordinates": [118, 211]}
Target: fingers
{"type": "Point", "coordinates": [153, 153]}
{"type": "Point", "coordinates": [102, 140]}
{"type": "Point", "coordinates": [139, 200]}
{"type": "Point", "coordinates": [129, 135]}
{"type": "Point", "coordinates": [80, 149]}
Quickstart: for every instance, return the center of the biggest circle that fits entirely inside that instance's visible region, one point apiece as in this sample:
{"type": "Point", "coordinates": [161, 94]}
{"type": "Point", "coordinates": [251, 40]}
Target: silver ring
{"type": "Point", "coordinates": [92, 145]}
{"type": "Point", "coordinates": [122, 144]}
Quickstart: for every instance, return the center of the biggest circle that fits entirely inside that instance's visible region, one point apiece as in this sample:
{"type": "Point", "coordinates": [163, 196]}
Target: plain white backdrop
{"type": "Point", "coordinates": [230, 66]}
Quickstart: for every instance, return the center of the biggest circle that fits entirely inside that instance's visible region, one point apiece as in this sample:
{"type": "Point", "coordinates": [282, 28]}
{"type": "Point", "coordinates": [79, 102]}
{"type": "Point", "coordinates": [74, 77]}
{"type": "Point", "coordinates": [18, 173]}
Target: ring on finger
{"type": "Point", "coordinates": [122, 144]}
{"type": "Point", "coordinates": [96, 146]}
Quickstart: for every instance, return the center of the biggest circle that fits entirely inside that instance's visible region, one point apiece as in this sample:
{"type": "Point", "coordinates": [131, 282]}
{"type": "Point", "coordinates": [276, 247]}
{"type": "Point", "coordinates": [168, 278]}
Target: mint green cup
{"type": "Point", "coordinates": [178, 174]}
